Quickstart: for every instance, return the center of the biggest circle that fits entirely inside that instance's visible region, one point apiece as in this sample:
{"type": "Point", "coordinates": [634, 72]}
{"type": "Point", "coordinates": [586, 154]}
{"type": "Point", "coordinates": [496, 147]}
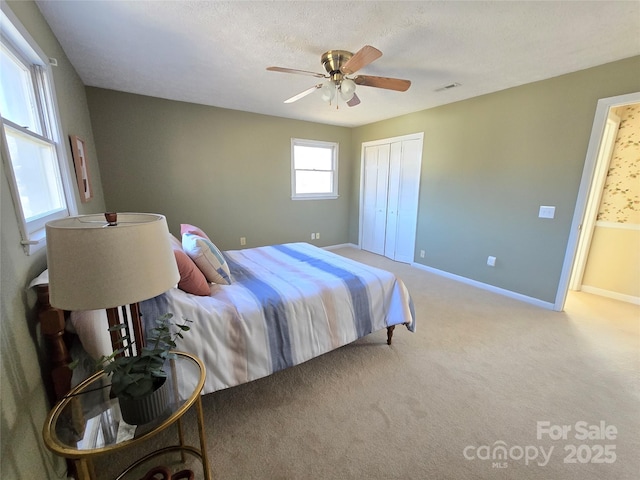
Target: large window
{"type": "Point", "coordinates": [314, 169]}
{"type": "Point", "coordinates": [36, 169]}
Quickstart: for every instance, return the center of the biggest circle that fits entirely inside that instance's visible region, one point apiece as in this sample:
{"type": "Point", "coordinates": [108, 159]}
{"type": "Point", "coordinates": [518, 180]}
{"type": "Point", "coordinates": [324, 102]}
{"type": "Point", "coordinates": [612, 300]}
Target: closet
{"type": "Point", "coordinates": [390, 185]}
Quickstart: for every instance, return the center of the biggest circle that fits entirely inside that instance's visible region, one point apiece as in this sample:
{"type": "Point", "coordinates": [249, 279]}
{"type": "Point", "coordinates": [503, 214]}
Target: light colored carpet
{"type": "Point", "coordinates": [480, 372]}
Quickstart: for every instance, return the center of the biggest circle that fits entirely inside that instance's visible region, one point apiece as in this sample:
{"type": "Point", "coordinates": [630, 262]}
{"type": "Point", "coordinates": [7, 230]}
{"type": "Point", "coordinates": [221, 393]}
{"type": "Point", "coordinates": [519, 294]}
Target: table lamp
{"type": "Point", "coordinates": [110, 262]}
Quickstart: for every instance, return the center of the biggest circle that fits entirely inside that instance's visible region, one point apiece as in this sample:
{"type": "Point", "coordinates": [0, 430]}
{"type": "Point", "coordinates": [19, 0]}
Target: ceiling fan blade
{"type": "Point", "coordinates": [361, 58]}
{"type": "Point", "coordinates": [300, 72]}
{"type": "Point", "coordinates": [383, 82]}
{"type": "Point", "coordinates": [354, 101]}
{"type": "Point", "coordinates": [303, 94]}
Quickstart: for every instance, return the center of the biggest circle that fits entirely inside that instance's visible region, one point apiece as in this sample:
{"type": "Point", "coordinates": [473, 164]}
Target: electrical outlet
{"type": "Point", "coordinates": [243, 240]}
{"type": "Point", "coordinates": [318, 236]}
{"type": "Point", "coordinates": [491, 261]}
{"type": "Point", "coordinates": [313, 236]}
{"type": "Point", "coordinates": [421, 253]}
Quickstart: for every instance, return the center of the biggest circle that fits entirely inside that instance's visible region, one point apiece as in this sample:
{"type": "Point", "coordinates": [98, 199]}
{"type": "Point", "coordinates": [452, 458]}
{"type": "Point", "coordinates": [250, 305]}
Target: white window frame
{"type": "Point", "coordinates": [15, 36]}
{"type": "Point", "coordinates": [334, 170]}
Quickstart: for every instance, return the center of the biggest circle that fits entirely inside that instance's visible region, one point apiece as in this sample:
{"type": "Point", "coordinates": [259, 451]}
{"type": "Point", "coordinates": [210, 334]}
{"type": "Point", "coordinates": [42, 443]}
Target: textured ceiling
{"type": "Point", "coordinates": [216, 52]}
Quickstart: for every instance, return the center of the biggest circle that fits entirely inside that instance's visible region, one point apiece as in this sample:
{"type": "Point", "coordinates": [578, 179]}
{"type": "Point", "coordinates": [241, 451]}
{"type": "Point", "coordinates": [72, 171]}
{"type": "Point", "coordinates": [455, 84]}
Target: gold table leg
{"type": "Point", "coordinates": [84, 469]}
{"type": "Point", "coordinates": [183, 455]}
{"type": "Point", "coordinates": [174, 373]}
{"type": "Point", "coordinates": [203, 441]}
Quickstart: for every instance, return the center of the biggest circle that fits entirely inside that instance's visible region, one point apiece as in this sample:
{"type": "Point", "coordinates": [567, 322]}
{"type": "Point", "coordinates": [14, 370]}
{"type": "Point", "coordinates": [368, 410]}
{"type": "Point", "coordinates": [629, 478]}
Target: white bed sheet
{"type": "Point", "coordinates": [287, 304]}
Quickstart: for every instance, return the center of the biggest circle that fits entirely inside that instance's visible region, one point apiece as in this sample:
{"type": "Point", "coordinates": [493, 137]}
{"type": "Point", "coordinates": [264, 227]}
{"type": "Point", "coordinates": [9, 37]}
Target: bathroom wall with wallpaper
{"type": "Point", "coordinates": [613, 266]}
{"type": "Point", "coordinates": [621, 195]}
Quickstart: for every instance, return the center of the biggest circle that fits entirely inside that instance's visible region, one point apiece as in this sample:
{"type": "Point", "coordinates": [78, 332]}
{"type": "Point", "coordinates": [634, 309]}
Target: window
{"type": "Point", "coordinates": [314, 169]}
{"type": "Point", "coordinates": [35, 162]}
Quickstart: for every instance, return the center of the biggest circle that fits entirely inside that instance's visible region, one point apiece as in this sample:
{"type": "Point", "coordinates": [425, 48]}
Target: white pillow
{"type": "Point", "coordinates": [92, 327]}
{"type": "Point", "coordinates": [207, 257]}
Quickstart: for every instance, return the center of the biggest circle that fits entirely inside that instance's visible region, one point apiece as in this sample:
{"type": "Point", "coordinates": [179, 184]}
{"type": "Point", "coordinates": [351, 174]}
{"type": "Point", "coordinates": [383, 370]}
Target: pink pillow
{"type": "Point", "coordinates": [192, 280]}
{"type": "Point", "coordinates": [186, 228]}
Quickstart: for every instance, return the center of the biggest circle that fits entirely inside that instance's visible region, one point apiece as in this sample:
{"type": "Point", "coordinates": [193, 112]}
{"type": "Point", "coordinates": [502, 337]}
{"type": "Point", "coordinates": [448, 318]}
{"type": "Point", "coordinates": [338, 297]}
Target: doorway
{"type": "Point", "coordinates": [593, 177]}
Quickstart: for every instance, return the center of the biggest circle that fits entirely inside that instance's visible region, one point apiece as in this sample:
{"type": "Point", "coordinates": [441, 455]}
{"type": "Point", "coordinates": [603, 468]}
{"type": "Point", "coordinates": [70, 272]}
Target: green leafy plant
{"type": "Point", "coordinates": [136, 376]}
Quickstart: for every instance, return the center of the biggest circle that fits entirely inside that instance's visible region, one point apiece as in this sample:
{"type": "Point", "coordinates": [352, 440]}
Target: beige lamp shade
{"type": "Point", "coordinates": [94, 265]}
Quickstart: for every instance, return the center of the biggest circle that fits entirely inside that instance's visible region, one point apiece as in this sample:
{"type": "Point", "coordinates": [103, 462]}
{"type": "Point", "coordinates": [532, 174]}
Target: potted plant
{"type": "Point", "coordinates": [139, 382]}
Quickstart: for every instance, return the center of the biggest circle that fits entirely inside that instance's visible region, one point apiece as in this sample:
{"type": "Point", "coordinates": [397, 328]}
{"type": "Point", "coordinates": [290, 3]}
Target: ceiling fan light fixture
{"type": "Point", "coordinates": [338, 64]}
{"type": "Point", "coordinates": [328, 91]}
{"type": "Point", "coordinates": [347, 89]}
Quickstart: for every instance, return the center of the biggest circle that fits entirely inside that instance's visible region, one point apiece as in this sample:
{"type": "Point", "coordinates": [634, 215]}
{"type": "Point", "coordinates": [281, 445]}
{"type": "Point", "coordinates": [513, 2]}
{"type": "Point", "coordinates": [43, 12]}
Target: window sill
{"type": "Point", "coordinates": [315, 197]}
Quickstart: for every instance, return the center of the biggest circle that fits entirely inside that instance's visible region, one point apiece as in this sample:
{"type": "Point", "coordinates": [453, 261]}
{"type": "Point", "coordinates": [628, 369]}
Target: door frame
{"type": "Point", "coordinates": [373, 143]}
{"type": "Point", "coordinates": [586, 183]}
{"type": "Point", "coordinates": [603, 160]}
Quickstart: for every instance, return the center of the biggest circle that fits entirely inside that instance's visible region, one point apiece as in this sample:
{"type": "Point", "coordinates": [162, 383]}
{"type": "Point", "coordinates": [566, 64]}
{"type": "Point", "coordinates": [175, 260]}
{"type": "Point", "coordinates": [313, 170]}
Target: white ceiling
{"type": "Point", "coordinates": [216, 52]}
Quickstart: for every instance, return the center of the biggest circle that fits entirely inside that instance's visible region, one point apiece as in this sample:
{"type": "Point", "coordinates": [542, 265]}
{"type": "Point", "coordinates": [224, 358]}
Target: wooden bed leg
{"type": "Point", "coordinates": [390, 333]}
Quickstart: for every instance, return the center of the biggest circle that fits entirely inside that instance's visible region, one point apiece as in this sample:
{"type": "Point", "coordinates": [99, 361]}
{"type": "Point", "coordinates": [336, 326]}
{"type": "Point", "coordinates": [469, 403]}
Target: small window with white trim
{"type": "Point", "coordinates": [35, 161]}
{"type": "Point", "coordinates": [314, 169]}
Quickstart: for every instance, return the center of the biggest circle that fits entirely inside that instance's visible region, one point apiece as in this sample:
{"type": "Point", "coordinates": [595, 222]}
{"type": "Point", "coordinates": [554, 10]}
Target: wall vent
{"type": "Point", "coordinates": [448, 87]}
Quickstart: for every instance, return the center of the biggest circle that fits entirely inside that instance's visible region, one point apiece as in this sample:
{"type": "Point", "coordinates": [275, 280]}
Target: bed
{"type": "Point", "coordinates": [285, 304]}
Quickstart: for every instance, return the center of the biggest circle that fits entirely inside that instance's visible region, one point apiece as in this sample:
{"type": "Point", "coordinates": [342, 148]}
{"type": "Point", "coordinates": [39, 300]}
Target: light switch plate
{"type": "Point", "coordinates": [547, 212]}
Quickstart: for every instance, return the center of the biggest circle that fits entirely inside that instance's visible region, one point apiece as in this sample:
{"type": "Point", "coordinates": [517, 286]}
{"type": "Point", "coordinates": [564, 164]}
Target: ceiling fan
{"type": "Point", "coordinates": [340, 64]}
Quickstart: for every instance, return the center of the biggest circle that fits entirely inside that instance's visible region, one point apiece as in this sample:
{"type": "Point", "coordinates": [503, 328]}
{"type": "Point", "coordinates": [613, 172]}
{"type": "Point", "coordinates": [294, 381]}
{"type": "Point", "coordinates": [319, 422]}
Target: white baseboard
{"type": "Point", "coordinates": [341, 245]}
{"type": "Point", "coordinates": [609, 294]}
{"type": "Point", "coordinates": [485, 286]}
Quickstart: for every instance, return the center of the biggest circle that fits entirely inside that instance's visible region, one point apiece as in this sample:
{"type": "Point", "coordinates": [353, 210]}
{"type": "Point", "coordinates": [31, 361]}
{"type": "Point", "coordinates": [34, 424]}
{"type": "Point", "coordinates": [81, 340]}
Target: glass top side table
{"type": "Point", "coordinates": [87, 422]}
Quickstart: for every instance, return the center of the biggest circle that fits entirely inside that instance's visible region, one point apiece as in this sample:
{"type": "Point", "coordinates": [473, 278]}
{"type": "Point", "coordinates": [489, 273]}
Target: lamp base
{"type": "Point", "coordinates": [129, 321]}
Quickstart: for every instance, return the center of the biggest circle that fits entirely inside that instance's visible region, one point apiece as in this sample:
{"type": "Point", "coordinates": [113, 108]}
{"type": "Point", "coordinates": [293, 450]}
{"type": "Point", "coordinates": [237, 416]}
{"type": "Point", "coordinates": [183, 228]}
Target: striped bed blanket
{"type": "Point", "coordinates": [286, 304]}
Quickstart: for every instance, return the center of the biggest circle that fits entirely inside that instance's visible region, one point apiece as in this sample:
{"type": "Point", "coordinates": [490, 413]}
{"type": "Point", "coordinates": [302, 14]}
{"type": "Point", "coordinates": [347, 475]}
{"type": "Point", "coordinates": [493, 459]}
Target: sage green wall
{"type": "Point", "coordinates": [226, 171]}
{"type": "Point", "coordinates": [488, 164]}
{"type": "Point", "coordinates": [23, 396]}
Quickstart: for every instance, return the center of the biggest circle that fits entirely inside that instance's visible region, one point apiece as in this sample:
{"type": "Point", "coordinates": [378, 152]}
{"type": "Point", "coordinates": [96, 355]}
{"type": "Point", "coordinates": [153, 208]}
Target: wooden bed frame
{"type": "Point", "coordinates": [58, 344]}
{"type": "Point", "coordinates": [52, 324]}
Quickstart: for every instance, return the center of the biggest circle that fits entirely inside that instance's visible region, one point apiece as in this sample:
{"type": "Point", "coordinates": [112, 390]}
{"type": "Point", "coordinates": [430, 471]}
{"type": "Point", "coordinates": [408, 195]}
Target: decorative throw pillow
{"type": "Point", "coordinates": [186, 228]}
{"type": "Point", "coordinates": [207, 257]}
{"type": "Point", "coordinates": [192, 280]}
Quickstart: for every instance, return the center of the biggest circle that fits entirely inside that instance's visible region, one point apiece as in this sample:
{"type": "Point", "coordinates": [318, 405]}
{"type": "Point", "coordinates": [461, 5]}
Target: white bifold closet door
{"type": "Point", "coordinates": [376, 179]}
{"type": "Point", "coordinates": [391, 183]}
